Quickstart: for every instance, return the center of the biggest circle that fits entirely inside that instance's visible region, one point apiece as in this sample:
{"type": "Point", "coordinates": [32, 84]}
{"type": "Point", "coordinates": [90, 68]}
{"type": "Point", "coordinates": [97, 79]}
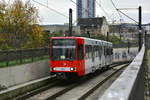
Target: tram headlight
{"type": "Point", "coordinates": [54, 68]}
{"type": "Point", "coordinates": [72, 69]}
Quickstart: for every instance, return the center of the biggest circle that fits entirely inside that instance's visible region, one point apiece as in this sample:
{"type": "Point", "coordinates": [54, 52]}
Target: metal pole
{"type": "Point", "coordinates": [140, 27]}
{"type": "Point", "coordinates": [88, 33]}
{"type": "Point", "coordinates": [70, 22]}
{"type": "Point", "coordinates": [128, 46]}
{"type": "Point", "coordinates": [107, 36]}
{"type": "Point", "coordinates": [120, 31]}
{"type": "Point", "coordinates": [145, 38]}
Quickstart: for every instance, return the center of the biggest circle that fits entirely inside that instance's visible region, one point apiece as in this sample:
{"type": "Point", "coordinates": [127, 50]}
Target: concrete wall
{"type": "Point", "coordinates": [11, 76]}
{"type": "Point", "coordinates": [121, 54]}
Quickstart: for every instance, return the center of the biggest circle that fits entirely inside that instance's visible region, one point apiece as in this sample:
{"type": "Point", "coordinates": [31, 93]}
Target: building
{"type": "Point", "coordinates": [95, 26]}
{"type": "Point", "coordinates": [64, 29]}
{"type": "Point", "coordinates": [85, 9]}
{"type": "Point", "coordinates": [126, 31]}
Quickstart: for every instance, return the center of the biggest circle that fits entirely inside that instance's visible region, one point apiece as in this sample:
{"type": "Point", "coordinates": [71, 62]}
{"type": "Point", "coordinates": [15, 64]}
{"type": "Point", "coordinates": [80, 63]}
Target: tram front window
{"type": "Point", "coordinates": [63, 49]}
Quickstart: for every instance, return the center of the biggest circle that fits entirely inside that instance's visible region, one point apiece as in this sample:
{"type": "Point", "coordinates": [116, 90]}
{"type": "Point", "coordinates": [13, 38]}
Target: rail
{"type": "Point", "coordinates": [13, 57]}
{"type": "Point", "coordinates": [130, 84]}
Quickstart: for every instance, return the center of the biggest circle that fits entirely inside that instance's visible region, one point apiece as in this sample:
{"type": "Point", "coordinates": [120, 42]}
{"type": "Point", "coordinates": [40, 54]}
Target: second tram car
{"type": "Point", "coordinates": [77, 56]}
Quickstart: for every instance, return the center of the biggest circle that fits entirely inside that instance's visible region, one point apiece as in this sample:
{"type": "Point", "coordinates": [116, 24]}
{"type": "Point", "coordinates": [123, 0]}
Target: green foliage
{"type": "Point", "coordinates": [5, 47]}
{"type": "Point", "coordinates": [18, 26]}
{"type": "Point", "coordinates": [46, 38]}
{"type": "Point", "coordinates": [116, 40]}
{"type": "Point", "coordinates": [47, 35]}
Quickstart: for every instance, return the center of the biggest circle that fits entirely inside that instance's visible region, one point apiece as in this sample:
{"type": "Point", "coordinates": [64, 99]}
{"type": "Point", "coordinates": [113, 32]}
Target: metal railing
{"type": "Point", "coordinates": [130, 84]}
{"type": "Point", "coordinates": [13, 57]}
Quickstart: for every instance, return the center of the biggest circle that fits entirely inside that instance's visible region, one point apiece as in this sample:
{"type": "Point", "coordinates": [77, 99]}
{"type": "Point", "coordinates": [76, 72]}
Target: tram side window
{"type": "Point", "coordinates": [80, 52]}
{"type": "Point", "coordinates": [90, 51]}
{"type": "Point", "coordinates": [97, 51]}
{"type": "Point", "coordinates": [104, 51]}
{"type": "Point", "coordinates": [107, 50]}
{"type": "Point", "coordinates": [100, 51]}
{"type": "Point", "coordinates": [87, 51]}
{"type": "Point", "coordinates": [94, 51]}
{"type": "Point", "coordinates": [111, 51]}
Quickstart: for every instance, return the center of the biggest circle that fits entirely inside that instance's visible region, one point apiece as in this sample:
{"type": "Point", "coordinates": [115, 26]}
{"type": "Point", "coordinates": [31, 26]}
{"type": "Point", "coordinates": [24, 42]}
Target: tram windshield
{"type": "Point", "coordinates": [63, 49]}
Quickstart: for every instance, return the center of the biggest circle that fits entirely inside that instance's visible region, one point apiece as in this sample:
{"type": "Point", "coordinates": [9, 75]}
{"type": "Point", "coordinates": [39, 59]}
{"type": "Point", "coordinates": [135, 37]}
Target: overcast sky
{"type": "Point", "coordinates": [49, 17]}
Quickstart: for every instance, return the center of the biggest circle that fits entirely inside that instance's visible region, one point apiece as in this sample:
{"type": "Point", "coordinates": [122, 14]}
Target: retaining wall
{"type": "Point", "coordinates": [124, 54]}
{"type": "Point", "coordinates": [11, 76]}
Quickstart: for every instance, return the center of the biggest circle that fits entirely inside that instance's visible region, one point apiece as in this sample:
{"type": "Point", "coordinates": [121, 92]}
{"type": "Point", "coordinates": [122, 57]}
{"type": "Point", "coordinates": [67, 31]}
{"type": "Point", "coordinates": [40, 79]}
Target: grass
{"type": "Point", "coordinates": [24, 61]}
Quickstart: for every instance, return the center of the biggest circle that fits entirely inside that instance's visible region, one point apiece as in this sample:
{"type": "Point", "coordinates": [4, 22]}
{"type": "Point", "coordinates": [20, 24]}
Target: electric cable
{"type": "Point", "coordinates": [51, 9]}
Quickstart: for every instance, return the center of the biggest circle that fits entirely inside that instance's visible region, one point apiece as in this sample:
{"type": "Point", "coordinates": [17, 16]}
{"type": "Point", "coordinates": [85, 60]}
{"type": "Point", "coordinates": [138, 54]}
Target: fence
{"type": "Point", "coordinates": [124, 45]}
{"type": "Point", "coordinates": [13, 57]}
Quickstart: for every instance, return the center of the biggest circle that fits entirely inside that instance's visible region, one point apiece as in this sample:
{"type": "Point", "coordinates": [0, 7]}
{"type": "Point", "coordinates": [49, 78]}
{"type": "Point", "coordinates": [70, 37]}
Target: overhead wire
{"type": "Point", "coordinates": [103, 9]}
{"type": "Point", "coordinates": [118, 10]}
{"type": "Point", "coordinates": [51, 9]}
{"type": "Point", "coordinates": [121, 18]}
{"type": "Point", "coordinates": [128, 16]}
{"type": "Point", "coordinates": [128, 8]}
{"type": "Point", "coordinates": [46, 6]}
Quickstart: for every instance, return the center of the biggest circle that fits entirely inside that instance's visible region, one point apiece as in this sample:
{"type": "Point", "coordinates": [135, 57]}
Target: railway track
{"type": "Point", "coordinates": [83, 89]}
{"type": "Point", "coordinates": [88, 93]}
{"type": "Point", "coordinates": [62, 91]}
{"type": "Point", "coordinates": [54, 82]}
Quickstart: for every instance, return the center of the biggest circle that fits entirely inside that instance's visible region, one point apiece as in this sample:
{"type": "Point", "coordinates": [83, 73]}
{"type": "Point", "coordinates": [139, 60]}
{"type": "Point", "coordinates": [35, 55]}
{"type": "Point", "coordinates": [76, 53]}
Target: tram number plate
{"type": "Point", "coordinates": [62, 69]}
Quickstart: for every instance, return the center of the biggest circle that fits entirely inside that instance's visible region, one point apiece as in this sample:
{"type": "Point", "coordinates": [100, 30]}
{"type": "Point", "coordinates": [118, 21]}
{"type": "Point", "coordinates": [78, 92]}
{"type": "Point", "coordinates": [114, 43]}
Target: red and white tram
{"type": "Point", "coordinates": [77, 56]}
